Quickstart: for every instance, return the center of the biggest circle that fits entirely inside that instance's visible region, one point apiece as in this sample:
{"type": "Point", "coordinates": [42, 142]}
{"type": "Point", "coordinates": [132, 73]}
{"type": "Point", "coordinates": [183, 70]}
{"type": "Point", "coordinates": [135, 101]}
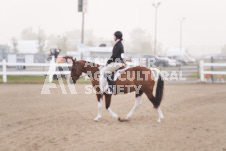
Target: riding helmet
{"type": "Point", "coordinates": [118, 35]}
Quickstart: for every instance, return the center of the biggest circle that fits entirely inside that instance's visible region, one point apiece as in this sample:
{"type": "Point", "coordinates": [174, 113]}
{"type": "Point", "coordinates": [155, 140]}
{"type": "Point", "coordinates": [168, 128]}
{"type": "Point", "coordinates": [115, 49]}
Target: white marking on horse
{"type": "Point", "coordinates": [113, 114]}
{"type": "Point", "coordinates": [99, 105]}
{"type": "Point", "coordinates": [160, 115]}
{"type": "Point", "coordinates": [136, 104]}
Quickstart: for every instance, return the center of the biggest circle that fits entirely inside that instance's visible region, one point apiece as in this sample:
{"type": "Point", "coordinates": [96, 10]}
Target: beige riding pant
{"type": "Point", "coordinates": [112, 67]}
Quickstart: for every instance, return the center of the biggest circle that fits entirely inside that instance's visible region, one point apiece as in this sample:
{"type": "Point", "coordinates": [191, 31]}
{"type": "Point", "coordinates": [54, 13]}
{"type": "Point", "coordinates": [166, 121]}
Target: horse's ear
{"type": "Point", "coordinates": [69, 57]}
{"type": "Point", "coordinates": [74, 61]}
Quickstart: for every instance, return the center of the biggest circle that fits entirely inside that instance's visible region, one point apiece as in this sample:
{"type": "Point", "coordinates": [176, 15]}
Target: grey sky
{"type": "Point", "coordinates": [204, 28]}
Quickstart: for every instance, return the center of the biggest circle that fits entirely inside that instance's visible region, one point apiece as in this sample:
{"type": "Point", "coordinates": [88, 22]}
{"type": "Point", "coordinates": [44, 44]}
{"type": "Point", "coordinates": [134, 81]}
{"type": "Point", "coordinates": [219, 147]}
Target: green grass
{"type": "Point", "coordinates": [194, 75]}
{"type": "Point", "coordinates": [35, 80]}
{"type": "Point", "coordinates": [24, 79]}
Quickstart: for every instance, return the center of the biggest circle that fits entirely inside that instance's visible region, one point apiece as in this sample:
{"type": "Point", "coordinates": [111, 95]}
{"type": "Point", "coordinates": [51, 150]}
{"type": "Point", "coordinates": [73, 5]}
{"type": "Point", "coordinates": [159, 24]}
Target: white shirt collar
{"type": "Point", "coordinates": [117, 40]}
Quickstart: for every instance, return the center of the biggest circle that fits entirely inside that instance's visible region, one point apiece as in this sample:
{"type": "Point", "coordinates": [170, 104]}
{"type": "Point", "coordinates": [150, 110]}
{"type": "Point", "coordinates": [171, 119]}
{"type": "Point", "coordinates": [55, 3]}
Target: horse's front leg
{"type": "Point", "coordinates": [99, 106]}
{"type": "Point", "coordinates": [136, 104]}
{"type": "Point", "coordinates": [107, 103]}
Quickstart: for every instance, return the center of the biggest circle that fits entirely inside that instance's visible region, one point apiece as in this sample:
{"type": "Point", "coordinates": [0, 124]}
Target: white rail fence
{"type": "Point", "coordinates": [52, 69]}
{"type": "Point", "coordinates": [203, 72]}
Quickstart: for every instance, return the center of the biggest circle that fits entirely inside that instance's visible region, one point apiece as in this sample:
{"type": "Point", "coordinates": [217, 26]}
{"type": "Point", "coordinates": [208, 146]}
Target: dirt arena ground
{"type": "Point", "coordinates": [195, 119]}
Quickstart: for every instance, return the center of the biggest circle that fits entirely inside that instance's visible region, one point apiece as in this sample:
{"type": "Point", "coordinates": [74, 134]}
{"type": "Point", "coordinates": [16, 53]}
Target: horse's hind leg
{"type": "Point", "coordinates": [152, 99]}
{"type": "Point", "coordinates": [136, 104]}
{"type": "Point", "coordinates": [160, 114]}
{"type": "Point", "coordinates": [108, 102]}
{"type": "Point", "coordinates": [99, 105]}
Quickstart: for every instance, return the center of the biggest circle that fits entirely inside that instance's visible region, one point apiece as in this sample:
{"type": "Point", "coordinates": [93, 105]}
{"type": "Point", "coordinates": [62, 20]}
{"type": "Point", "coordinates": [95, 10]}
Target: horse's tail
{"type": "Point", "coordinates": [159, 92]}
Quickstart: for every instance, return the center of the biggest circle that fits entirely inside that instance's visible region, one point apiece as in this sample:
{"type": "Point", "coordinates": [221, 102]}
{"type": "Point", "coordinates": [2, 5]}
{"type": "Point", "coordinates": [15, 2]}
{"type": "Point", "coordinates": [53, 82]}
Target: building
{"type": "Point", "coordinates": [4, 49]}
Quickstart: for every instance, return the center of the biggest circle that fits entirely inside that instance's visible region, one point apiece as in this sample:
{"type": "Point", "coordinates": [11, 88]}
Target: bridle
{"type": "Point", "coordinates": [75, 69]}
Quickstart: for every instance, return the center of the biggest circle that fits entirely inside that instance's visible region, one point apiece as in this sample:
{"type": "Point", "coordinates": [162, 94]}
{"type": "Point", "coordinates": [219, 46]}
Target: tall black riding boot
{"type": "Point", "coordinates": [110, 82]}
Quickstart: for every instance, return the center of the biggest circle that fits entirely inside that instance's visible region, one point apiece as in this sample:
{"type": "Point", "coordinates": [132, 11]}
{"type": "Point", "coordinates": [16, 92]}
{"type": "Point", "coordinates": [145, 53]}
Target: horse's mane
{"type": "Point", "coordinates": [90, 65]}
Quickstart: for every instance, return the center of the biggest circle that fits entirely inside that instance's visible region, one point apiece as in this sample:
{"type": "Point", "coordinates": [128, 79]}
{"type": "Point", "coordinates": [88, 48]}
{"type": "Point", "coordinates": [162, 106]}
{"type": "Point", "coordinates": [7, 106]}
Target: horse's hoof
{"type": "Point", "coordinates": [159, 120]}
{"type": "Point", "coordinates": [96, 119]}
{"type": "Point", "coordinates": [122, 120]}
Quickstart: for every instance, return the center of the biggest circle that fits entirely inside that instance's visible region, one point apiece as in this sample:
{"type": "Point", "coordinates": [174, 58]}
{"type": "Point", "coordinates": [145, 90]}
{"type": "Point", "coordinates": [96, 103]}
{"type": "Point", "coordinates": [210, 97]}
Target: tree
{"type": "Point", "coordinates": [75, 39]}
{"type": "Point", "coordinates": [28, 34]}
{"type": "Point", "coordinates": [14, 42]}
{"type": "Point", "coordinates": [140, 41]}
{"type": "Point", "coordinates": [159, 49]}
{"type": "Point", "coordinates": [63, 44]}
{"type": "Point", "coordinates": [41, 40]}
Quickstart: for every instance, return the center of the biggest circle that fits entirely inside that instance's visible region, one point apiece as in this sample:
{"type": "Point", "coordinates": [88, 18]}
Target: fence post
{"type": "Point", "coordinates": [212, 68]}
{"type": "Point", "coordinates": [201, 69]}
{"type": "Point", "coordinates": [198, 74]}
{"type": "Point", "coordinates": [52, 69]}
{"type": "Point", "coordinates": [4, 76]}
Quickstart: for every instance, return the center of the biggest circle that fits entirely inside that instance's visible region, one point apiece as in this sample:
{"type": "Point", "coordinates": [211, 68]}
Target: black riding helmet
{"type": "Point", "coordinates": [118, 35]}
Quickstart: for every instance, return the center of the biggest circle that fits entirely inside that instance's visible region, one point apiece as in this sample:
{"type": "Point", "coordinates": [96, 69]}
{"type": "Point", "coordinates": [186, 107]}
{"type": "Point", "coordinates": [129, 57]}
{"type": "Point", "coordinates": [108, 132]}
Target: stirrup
{"type": "Point", "coordinates": [109, 90]}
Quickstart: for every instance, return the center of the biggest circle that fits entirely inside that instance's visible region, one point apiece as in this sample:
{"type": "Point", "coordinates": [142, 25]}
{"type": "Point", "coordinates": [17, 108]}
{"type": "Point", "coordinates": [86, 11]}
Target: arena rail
{"type": "Point", "coordinates": [52, 69]}
{"type": "Point", "coordinates": [203, 72]}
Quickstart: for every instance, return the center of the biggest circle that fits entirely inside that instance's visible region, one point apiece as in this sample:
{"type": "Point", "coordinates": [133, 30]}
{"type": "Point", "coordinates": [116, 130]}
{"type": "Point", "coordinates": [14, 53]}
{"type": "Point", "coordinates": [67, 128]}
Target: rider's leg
{"type": "Point", "coordinates": [112, 67]}
{"type": "Point", "coordinates": [102, 80]}
{"type": "Point", "coordinates": [110, 74]}
{"type": "Point", "coordinates": [110, 82]}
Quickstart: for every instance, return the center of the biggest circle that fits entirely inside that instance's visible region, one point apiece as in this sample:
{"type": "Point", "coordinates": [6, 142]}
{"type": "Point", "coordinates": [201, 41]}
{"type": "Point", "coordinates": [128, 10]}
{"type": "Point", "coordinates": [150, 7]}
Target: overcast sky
{"type": "Point", "coordinates": [204, 28]}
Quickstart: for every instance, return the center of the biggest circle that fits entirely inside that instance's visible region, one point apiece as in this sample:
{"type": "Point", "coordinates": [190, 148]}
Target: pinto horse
{"type": "Point", "coordinates": [141, 84]}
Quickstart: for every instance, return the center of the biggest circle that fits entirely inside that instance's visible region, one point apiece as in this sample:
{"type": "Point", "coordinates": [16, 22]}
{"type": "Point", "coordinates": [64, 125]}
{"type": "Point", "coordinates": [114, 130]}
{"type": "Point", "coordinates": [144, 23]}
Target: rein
{"type": "Point", "coordinates": [78, 68]}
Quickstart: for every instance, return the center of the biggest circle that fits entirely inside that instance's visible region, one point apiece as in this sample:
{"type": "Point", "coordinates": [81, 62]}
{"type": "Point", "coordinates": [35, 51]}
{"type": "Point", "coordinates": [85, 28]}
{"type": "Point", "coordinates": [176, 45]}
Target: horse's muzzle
{"type": "Point", "coordinates": [72, 81]}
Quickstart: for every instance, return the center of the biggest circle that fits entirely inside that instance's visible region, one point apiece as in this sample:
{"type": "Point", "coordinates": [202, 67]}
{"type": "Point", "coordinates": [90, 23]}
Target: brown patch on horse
{"type": "Point", "coordinates": [132, 77]}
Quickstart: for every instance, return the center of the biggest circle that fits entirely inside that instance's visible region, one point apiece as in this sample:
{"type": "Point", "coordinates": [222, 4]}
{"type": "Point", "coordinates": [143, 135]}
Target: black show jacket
{"type": "Point", "coordinates": [118, 49]}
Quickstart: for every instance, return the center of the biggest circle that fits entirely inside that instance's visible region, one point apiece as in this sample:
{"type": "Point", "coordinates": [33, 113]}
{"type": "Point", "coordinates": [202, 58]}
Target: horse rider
{"type": "Point", "coordinates": [115, 62]}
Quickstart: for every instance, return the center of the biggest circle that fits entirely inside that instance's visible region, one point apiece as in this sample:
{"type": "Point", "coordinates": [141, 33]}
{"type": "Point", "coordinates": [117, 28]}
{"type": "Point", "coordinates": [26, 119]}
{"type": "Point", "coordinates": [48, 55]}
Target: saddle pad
{"type": "Point", "coordinates": [117, 74]}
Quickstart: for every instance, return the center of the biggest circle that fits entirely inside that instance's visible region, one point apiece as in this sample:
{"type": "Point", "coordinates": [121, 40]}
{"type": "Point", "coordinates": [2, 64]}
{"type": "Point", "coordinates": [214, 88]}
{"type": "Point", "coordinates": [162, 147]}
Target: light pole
{"type": "Point", "coordinates": [82, 7]}
{"type": "Point", "coordinates": [82, 35]}
{"type": "Point", "coordinates": [181, 26]}
{"type": "Point", "coordinates": [59, 41]}
{"type": "Point", "coordinates": [155, 5]}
